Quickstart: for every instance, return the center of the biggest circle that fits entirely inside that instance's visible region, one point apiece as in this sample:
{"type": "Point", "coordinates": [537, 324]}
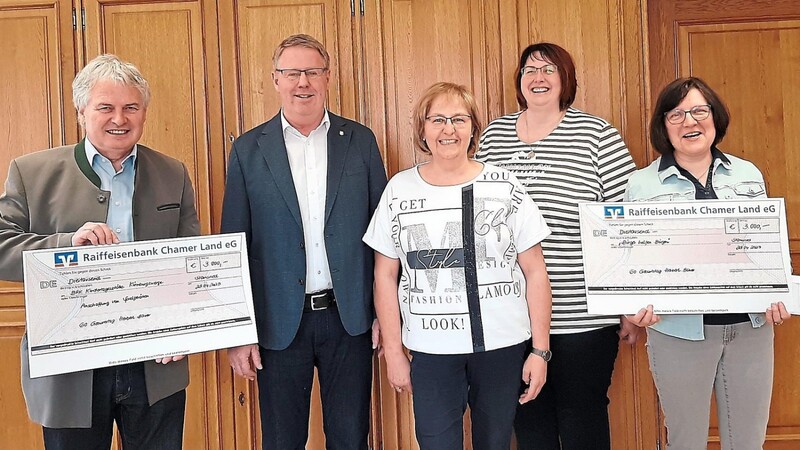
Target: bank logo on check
{"type": "Point", "coordinates": [614, 212]}
{"type": "Point", "coordinates": [66, 259]}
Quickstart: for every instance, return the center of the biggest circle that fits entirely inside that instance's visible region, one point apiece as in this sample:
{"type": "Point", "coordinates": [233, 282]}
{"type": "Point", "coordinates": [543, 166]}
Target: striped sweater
{"type": "Point", "coordinates": [584, 159]}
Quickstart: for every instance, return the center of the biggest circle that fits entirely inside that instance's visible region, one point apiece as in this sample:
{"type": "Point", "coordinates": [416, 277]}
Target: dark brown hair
{"type": "Point", "coordinates": [670, 97]}
{"type": "Point", "coordinates": [423, 105]}
{"type": "Point", "coordinates": [561, 58]}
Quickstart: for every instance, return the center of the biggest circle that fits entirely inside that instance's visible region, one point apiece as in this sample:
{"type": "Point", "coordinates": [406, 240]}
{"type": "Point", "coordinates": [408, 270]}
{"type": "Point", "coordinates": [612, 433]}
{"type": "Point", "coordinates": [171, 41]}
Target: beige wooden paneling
{"type": "Point", "coordinates": [36, 113]}
{"type": "Point", "coordinates": [37, 49]}
{"type": "Point", "coordinates": [757, 77]}
{"type": "Point", "coordinates": [422, 42]}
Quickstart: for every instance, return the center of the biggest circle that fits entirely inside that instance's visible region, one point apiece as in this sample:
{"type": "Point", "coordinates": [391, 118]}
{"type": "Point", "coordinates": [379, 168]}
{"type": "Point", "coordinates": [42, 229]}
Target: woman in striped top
{"type": "Point", "coordinates": [564, 156]}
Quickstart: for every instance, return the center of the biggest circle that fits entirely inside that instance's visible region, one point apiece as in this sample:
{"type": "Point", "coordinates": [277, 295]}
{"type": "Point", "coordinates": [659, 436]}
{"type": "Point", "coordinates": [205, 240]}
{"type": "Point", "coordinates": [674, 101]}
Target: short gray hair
{"type": "Point", "coordinates": [107, 67]}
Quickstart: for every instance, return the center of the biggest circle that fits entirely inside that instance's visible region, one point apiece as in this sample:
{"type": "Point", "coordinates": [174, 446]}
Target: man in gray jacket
{"type": "Point", "coordinates": [104, 190]}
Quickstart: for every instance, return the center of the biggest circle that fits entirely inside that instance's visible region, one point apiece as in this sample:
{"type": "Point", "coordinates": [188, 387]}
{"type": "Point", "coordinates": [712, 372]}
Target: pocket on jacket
{"type": "Point", "coordinates": [168, 206]}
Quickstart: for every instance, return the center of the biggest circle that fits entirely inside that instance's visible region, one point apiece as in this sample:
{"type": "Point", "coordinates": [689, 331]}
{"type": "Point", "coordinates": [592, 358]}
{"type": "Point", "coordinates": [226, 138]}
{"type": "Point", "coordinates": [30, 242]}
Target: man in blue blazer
{"type": "Point", "coordinates": [303, 187]}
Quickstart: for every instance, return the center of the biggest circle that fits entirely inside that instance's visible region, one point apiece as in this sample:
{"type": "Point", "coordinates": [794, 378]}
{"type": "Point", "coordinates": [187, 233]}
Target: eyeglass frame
{"type": "Point", "coordinates": [536, 70]}
{"type": "Point", "coordinates": [301, 72]}
{"type": "Point", "coordinates": [688, 111]}
{"type": "Point", "coordinates": [449, 119]}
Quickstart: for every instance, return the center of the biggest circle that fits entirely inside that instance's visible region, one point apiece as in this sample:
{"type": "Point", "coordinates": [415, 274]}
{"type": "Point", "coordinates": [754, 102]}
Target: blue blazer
{"type": "Point", "coordinates": [261, 201]}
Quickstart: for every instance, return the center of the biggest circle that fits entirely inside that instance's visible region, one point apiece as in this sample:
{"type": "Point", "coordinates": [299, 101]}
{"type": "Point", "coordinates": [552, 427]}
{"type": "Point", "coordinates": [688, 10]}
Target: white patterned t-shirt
{"type": "Point", "coordinates": [459, 292]}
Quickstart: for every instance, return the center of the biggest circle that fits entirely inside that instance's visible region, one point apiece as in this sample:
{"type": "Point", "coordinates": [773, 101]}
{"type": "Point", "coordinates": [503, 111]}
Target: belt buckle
{"type": "Point", "coordinates": [314, 297]}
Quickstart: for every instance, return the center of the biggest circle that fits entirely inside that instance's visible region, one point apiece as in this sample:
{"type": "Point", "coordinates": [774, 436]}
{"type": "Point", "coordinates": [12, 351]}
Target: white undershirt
{"type": "Point", "coordinates": [308, 160]}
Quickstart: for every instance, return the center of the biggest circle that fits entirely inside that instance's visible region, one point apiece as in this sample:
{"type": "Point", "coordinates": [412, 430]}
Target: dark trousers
{"type": "Point", "coordinates": [119, 394]}
{"type": "Point", "coordinates": [344, 367]}
{"type": "Point", "coordinates": [445, 384]}
{"type": "Point", "coordinates": [571, 412]}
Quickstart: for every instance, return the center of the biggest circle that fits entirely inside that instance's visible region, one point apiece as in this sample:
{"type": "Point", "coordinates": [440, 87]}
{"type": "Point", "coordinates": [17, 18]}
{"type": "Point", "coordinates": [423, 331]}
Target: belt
{"type": "Point", "coordinates": [319, 300]}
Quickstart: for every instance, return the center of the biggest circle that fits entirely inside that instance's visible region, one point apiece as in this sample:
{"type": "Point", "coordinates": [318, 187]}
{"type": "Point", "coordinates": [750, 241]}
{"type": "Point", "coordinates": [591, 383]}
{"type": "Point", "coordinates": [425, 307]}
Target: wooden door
{"type": "Point", "coordinates": [409, 45]}
{"type": "Point", "coordinates": [606, 43]}
{"type": "Point", "coordinates": [749, 52]}
{"type": "Point", "coordinates": [36, 113]}
{"type": "Point", "coordinates": [164, 39]}
{"type": "Point", "coordinates": [249, 32]}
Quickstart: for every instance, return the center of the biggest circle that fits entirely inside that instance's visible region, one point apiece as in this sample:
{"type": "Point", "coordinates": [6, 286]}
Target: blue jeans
{"type": "Point", "coordinates": [445, 384]}
{"type": "Point", "coordinates": [571, 411]}
{"type": "Point", "coordinates": [344, 367]}
{"type": "Point", "coordinates": [119, 394]}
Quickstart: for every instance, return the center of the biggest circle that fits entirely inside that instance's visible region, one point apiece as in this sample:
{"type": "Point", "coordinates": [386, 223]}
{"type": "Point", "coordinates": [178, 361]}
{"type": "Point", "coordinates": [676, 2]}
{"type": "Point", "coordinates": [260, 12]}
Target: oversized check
{"type": "Point", "coordinates": [98, 306]}
{"type": "Point", "coordinates": [720, 256]}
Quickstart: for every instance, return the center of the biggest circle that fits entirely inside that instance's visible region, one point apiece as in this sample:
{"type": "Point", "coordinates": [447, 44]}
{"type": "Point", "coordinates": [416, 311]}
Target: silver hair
{"type": "Point", "coordinates": [107, 67]}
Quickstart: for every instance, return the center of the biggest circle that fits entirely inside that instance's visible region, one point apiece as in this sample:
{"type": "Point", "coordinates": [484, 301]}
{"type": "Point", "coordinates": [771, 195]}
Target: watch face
{"type": "Point", "coordinates": [544, 354]}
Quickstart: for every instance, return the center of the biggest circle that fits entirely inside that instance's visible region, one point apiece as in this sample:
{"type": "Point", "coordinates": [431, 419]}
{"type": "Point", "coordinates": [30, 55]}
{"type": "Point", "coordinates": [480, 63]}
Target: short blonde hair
{"type": "Point", "coordinates": [423, 105]}
{"type": "Point", "coordinates": [107, 67]}
{"type": "Point", "coordinates": [301, 40]}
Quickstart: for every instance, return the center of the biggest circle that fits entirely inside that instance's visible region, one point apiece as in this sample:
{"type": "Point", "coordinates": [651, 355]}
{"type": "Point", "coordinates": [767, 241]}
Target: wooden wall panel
{"type": "Point", "coordinates": [757, 78]}
{"type": "Point", "coordinates": [607, 43]}
{"type": "Point", "coordinates": [424, 42]}
{"type": "Point", "coordinates": [251, 29]}
{"type": "Point", "coordinates": [36, 110]}
{"type": "Point", "coordinates": [36, 113]}
{"type": "Point", "coordinates": [169, 50]}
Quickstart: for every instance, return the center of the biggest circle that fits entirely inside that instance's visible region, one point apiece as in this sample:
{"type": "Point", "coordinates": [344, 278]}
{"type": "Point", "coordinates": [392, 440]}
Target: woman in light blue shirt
{"type": "Point", "coordinates": [692, 354]}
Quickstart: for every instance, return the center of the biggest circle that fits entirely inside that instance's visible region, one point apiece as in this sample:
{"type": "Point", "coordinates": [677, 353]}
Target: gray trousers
{"type": "Point", "coordinates": [736, 361]}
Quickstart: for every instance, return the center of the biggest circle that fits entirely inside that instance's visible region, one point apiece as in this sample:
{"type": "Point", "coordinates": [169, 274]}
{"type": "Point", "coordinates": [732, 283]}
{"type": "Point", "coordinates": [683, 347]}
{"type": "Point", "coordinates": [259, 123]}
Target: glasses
{"type": "Point", "coordinates": [459, 121]}
{"type": "Point", "coordinates": [531, 70]}
{"type": "Point", "coordinates": [677, 116]}
{"type": "Point", "coordinates": [294, 74]}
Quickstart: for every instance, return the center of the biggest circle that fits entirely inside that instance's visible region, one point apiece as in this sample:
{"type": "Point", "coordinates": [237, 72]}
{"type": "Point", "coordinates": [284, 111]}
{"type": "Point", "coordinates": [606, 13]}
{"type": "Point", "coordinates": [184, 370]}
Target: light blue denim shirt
{"type": "Point", "coordinates": [120, 184]}
{"type": "Point", "coordinates": [732, 177]}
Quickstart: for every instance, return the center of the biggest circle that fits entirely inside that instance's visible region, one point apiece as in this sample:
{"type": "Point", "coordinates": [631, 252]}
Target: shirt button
{"type": "Point", "coordinates": [116, 203]}
{"type": "Point", "coordinates": [319, 272]}
{"type": "Point", "coordinates": [118, 230]}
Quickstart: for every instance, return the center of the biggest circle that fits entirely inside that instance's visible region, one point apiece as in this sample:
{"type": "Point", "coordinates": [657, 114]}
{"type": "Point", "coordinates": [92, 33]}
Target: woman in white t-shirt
{"type": "Point", "coordinates": [473, 288]}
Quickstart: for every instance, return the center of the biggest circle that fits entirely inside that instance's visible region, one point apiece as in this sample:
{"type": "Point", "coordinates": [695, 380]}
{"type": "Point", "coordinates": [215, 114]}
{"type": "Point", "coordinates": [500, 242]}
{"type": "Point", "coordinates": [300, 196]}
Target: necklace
{"type": "Point", "coordinates": [532, 146]}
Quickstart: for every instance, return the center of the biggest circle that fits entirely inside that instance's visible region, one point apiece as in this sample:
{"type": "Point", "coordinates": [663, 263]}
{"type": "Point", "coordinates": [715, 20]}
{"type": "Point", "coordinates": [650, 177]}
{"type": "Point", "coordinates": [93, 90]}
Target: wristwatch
{"type": "Point", "coordinates": [545, 354]}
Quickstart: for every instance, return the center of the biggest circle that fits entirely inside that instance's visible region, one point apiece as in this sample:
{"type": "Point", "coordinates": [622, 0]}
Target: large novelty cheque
{"type": "Point", "coordinates": [721, 256]}
{"type": "Point", "coordinates": [98, 306]}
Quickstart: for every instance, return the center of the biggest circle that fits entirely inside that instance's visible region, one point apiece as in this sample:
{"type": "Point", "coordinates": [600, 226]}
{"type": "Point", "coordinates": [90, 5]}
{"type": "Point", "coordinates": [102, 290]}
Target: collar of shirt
{"type": "Point", "coordinates": [669, 167]}
{"type": "Point", "coordinates": [120, 184]}
{"type": "Point", "coordinates": [288, 128]}
{"type": "Point", "coordinates": [91, 152]}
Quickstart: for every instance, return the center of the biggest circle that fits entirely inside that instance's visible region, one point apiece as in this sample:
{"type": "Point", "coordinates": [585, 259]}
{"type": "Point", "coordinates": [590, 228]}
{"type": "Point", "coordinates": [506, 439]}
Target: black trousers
{"type": "Point", "coordinates": [571, 412]}
{"type": "Point", "coordinates": [445, 384]}
{"type": "Point", "coordinates": [119, 394]}
{"type": "Point", "coordinates": [344, 367]}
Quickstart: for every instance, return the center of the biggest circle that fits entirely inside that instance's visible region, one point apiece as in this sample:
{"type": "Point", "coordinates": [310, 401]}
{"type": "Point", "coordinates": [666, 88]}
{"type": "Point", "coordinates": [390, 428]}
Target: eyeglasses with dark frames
{"type": "Point", "coordinates": [294, 74]}
{"type": "Point", "coordinates": [678, 116]}
{"type": "Point", "coordinates": [458, 121]}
